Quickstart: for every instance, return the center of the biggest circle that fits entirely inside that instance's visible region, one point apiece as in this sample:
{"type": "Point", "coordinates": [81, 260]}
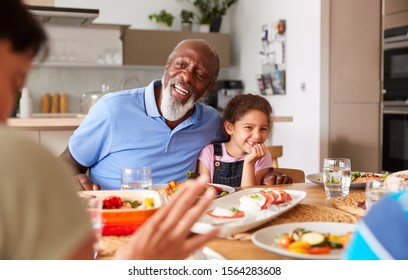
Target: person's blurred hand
{"type": "Point", "coordinates": [276, 178]}
{"type": "Point", "coordinates": [166, 235]}
{"type": "Point", "coordinates": [85, 184]}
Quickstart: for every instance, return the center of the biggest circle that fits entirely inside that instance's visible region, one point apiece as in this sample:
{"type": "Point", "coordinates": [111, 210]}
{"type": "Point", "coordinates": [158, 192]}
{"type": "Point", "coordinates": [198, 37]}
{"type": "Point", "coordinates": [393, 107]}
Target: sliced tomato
{"type": "Point", "coordinates": [269, 199]}
{"type": "Point", "coordinates": [218, 190]}
{"type": "Point", "coordinates": [283, 195]}
{"type": "Point", "coordinates": [238, 214]}
{"type": "Point", "coordinates": [112, 202]}
{"type": "Point", "coordinates": [319, 250]}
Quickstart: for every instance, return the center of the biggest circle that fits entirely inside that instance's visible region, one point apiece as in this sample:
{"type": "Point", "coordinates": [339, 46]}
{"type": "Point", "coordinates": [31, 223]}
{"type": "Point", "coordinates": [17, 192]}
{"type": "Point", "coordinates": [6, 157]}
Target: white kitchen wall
{"type": "Point", "coordinates": [305, 139]}
{"type": "Point", "coordinates": [135, 12]}
{"type": "Point", "coordinates": [302, 138]}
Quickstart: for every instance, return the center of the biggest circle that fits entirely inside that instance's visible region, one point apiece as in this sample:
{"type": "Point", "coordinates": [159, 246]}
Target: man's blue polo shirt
{"type": "Point", "coordinates": [124, 129]}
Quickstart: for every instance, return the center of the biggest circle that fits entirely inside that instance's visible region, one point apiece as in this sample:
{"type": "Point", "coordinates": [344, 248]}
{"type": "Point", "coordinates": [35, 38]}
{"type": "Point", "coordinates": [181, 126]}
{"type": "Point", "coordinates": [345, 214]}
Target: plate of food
{"type": "Point", "coordinates": [358, 178]}
{"type": "Point", "coordinates": [221, 190]}
{"type": "Point", "coordinates": [125, 210]}
{"type": "Point", "coordinates": [308, 240]}
{"type": "Point", "coordinates": [246, 209]}
{"type": "Point", "coordinates": [172, 187]}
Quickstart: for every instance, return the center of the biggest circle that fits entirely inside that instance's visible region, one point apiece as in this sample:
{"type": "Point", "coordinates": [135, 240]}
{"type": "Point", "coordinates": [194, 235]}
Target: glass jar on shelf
{"type": "Point", "coordinates": [88, 99]}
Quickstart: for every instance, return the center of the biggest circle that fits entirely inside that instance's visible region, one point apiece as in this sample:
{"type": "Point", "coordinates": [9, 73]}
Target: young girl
{"type": "Point", "coordinates": [244, 159]}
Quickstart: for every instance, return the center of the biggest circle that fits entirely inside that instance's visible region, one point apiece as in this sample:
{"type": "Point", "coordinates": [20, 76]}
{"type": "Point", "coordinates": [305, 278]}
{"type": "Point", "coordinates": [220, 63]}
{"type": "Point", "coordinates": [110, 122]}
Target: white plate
{"type": "Point", "coordinates": [264, 238]}
{"type": "Point", "coordinates": [251, 219]}
{"type": "Point", "coordinates": [315, 178]}
{"type": "Point", "coordinates": [223, 187]}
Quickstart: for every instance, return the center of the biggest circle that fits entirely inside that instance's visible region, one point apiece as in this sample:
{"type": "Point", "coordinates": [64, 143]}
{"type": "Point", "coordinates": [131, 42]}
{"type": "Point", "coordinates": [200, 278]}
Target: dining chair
{"type": "Point", "coordinates": [276, 152]}
{"type": "Point", "coordinates": [297, 175]}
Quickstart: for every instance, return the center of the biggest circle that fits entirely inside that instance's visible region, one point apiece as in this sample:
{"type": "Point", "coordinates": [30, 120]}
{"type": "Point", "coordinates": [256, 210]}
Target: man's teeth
{"type": "Point", "coordinates": [181, 90]}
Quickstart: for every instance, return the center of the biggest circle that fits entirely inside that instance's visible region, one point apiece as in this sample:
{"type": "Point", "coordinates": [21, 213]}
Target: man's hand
{"type": "Point", "coordinates": [86, 184]}
{"type": "Point", "coordinates": [276, 178]}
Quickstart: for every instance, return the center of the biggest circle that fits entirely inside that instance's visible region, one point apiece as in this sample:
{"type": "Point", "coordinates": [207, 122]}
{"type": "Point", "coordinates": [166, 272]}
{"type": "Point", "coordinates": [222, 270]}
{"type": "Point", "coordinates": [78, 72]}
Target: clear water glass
{"type": "Point", "coordinates": [93, 206]}
{"type": "Point", "coordinates": [136, 178]}
{"type": "Point", "coordinates": [336, 177]}
{"type": "Point", "coordinates": [377, 189]}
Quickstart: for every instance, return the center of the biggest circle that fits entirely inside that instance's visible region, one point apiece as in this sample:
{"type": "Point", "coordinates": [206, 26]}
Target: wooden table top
{"type": "Point", "coordinates": [309, 210]}
{"type": "Point", "coordinates": [246, 250]}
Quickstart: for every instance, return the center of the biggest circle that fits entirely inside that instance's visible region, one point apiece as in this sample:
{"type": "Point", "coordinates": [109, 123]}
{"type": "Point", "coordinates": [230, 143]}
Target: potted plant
{"type": "Point", "coordinates": [163, 18]}
{"type": "Point", "coordinates": [212, 11]}
{"type": "Point", "coordinates": [186, 20]}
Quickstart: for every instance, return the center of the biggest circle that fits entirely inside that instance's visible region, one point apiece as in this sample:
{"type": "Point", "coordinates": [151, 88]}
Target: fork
{"type": "Point", "coordinates": [273, 208]}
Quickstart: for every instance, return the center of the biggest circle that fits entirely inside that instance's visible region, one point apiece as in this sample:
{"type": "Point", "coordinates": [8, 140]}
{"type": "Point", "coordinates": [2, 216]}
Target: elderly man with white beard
{"type": "Point", "coordinates": [162, 125]}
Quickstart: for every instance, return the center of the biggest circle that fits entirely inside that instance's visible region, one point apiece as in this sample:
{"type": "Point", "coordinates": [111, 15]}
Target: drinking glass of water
{"type": "Point", "coordinates": [336, 177]}
{"type": "Point", "coordinates": [93, 206]}
{"type": "Point", "coordinates": [377, 189]}
{"type": "Point", "coordinates": [136, 178]}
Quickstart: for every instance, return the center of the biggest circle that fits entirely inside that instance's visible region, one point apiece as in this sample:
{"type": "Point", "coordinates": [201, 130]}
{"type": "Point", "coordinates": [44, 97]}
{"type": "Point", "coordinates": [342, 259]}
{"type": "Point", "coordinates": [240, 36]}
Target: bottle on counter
{"type": "Point", "coordinates": [55, 103]}
{"type": "Point", "coordinates": [46, 103]}
{"type": "Point", "coordinates": [63, 103]}
{"type": "Point", "coordinates": [26, 104]}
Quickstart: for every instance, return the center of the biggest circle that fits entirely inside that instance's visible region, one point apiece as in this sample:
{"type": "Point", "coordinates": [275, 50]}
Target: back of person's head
{"type": "Point", "coordinates": [241, 104]}
{"type": "Point", "coordinates": [19, 26]}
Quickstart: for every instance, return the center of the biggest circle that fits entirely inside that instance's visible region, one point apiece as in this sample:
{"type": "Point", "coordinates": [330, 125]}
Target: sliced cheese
{"type": "Point", "coordinates": [251, 202]}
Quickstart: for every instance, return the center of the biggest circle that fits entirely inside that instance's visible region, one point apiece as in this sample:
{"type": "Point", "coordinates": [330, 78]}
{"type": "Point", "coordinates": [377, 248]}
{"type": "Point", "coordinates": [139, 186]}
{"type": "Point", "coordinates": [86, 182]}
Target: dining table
{"type": "Point", "coordinates": [315, 207]}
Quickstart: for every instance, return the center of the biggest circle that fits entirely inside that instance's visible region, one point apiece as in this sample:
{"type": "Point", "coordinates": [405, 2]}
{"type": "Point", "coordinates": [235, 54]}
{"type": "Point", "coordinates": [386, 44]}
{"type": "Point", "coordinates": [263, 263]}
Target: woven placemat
{"type": "Point", "coordinates": [303, 213]}
{"type": "Point", "coordinates": [349, 204]}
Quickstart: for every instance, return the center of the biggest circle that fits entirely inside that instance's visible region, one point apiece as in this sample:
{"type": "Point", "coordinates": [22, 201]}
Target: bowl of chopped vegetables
{"type": "Point", "coordinates": [125, 210]}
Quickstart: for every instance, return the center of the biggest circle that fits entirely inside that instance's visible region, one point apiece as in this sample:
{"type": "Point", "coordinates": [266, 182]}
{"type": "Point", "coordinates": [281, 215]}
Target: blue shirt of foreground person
{"type": "Point", "coordinates": [125, 129]}
{"type": "Point", "coordinates": [383, 233]}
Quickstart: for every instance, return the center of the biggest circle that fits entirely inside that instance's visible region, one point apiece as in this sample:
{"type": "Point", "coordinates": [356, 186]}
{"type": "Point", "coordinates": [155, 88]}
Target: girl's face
{"type": "Point", "coordinates": [13, 71]}
{"type": "Point", "coordinates": [251, 129]}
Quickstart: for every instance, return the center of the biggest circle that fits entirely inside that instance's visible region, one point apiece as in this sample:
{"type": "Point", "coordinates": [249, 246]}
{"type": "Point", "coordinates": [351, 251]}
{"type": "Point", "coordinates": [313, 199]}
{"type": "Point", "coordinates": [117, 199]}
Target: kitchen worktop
{"type": "Point", "coordinates": [70, 121]}
{"type": "Point", "coordinates": [45, 123]}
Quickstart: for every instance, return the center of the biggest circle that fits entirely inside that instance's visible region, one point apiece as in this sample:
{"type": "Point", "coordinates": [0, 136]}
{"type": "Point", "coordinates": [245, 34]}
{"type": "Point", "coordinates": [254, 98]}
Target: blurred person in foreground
{"type": "Point", "coordinates": [41, 215]}
{"type": "Point", "coordinates": [383, 233]}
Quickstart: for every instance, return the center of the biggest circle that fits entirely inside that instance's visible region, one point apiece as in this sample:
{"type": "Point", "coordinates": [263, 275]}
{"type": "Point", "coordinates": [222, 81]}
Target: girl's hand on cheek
{"type": "Point", "coordinates": [257, 152]}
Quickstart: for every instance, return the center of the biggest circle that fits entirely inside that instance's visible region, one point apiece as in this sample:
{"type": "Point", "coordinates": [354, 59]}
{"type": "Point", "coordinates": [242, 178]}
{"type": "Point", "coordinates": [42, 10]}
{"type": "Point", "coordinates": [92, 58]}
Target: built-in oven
{"type": "Point", "coordinates": [395, 136]}
{"type": "Point", "coordinates": [395, 100]}
{"type": "Point", "coordinates": [395, 64]}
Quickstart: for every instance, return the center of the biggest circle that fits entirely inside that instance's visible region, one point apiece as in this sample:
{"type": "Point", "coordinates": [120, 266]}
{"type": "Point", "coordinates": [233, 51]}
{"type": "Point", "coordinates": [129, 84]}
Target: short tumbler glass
{"type": "Point", "coordinates": [336, 177]}
{"type": "Point", "coordinates": [136, 178]}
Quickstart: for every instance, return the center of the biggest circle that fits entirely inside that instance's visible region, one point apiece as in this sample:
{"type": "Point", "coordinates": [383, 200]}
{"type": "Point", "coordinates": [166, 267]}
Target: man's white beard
{"type": "Point", "coordinates": [170, 107]}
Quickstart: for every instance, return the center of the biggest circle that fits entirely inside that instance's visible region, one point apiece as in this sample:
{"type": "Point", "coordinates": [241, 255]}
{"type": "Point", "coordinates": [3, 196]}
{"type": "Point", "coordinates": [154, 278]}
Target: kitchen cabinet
{"type": "Point", "coordinates": [355, 82]}
{"type": "Point", "coordinates": [395, 13]}
{"type": "Point", "coordinates": [52, 133]}
{"type": "Point", "coordinates": [152, 47]}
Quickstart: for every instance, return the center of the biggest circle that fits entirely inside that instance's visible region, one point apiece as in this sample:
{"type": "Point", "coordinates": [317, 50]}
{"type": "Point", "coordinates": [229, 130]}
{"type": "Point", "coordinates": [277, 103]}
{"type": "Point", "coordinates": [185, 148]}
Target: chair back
{"type": "Point", "coordinates": [276, 152]}
{"type": "Point", "coordinates": [297, 175]}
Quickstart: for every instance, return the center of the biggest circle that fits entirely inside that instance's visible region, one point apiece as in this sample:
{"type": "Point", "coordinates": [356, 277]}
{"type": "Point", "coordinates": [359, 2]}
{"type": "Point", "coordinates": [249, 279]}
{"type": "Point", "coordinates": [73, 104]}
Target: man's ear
{"type": "Point", "coordinates": [229, 127]}
{"type": "Point", "coordinates": [210, 87]}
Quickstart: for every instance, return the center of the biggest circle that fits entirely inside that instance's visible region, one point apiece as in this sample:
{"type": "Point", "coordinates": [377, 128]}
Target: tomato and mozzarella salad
{"type": "Point", "coordinates": [253, 202]}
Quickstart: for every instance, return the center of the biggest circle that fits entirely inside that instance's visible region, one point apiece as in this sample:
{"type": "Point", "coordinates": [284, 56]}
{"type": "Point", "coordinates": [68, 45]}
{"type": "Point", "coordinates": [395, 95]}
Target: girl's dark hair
{"type": "Point", "coordinates": [241, 104]}
{"type": "Point", "coordinates": [21, 28]}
